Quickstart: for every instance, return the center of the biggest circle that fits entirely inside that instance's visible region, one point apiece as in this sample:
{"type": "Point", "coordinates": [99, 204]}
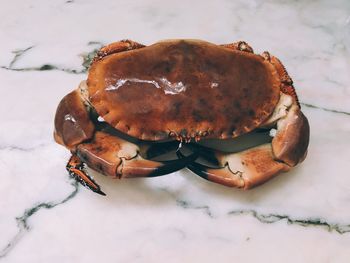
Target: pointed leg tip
{"type": "Point", "coordinates": [98, 191]}
{"type": "Point", "coordinates": [76, 170]}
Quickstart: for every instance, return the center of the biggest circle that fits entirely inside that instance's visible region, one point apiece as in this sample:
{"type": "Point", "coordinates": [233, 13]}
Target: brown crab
{"type": "Point", "coordinates": [184, 90]}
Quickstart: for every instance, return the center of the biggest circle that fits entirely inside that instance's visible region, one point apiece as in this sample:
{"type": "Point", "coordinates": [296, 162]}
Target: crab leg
{"type": "Point", "coordinates": [140, 167]}
{"type": "Point", "coordinates": [118, 158]}
{"type": "Point", "coordinates": [75, 168]}
{"type": "Point", "coordinates": [117, 47]}
{"type": "Point", "coordinates": [240, 46]}
{"type": "Point", "coordinates": [254, 166]}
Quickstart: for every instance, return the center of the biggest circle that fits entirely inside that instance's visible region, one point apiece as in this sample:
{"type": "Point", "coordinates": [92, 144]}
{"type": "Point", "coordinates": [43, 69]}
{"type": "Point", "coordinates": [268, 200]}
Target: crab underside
{"type": "Point", "coordinates": [188, 97]}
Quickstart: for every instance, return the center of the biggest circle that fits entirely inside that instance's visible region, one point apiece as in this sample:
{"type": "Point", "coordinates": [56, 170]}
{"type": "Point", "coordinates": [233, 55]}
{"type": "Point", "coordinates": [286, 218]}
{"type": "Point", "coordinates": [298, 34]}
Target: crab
{"type": "Point", "coordinates": [139, 100]}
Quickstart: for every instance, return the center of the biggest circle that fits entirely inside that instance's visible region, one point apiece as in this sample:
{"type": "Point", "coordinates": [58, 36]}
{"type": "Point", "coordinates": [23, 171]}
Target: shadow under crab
{"type": "Point", "coordinates": [140, 96]}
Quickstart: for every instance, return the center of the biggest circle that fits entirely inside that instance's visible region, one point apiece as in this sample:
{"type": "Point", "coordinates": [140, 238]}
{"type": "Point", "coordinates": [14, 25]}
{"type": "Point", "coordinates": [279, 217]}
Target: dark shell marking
{"type": "Point", "coordinates": [184, 88]}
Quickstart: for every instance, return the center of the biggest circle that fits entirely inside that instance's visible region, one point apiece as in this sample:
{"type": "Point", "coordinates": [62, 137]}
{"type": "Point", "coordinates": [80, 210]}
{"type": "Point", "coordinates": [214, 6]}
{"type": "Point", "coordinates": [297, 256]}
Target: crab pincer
{"type": "Point", "coordinates": [76, 169]}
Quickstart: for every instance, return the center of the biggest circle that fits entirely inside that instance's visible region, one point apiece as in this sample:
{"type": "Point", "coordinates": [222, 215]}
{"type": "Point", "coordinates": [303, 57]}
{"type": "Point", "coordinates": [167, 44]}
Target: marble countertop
{"type": "Point", "coordinates": [300, 216]}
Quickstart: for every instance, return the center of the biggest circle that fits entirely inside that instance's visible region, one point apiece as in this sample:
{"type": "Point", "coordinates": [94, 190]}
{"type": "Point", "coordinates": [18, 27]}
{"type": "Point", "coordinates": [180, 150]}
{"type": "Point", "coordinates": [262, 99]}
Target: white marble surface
{"type": "Point", "coordinates": [301, 216]}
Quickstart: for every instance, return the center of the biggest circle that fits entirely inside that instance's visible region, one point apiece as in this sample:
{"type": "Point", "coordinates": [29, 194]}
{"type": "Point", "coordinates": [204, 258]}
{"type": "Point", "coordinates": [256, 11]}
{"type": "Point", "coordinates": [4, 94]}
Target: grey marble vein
{"type": "Point", "coordinates": [273, 218]}
{"type": "Point", "coordinates": [46, 67]}
{"type": "Point", "coordinates": [306, 222]}
{"type": "Point", "coordinates": [21, 148]}
{"type": "Point", "coordinates": [186, 205]}
{"type": "Point", "coordinates": [22, 221]}
{"type": "Point", "coordinates": [87, 59]}
{"type": "Point", "coordinates": [18, 53]}
{"type": "Point", "coordinates": [325, 109]}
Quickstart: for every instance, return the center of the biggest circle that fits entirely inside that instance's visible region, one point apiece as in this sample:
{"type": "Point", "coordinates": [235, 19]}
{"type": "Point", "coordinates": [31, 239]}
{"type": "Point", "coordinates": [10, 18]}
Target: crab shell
{"type": "Point", "coordinates": [183, 88]}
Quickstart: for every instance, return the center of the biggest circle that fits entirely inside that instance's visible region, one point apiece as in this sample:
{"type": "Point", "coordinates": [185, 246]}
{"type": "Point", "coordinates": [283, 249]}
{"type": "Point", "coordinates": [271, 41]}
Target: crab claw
{"type": "Point", "coordinates": [72, 121]}
{"type": "Point", "coordinates": [75, 168]}
{"type": "Point", "coordinates": [245, 170]}
{"type": "Point", "coordinates": [292, 137]}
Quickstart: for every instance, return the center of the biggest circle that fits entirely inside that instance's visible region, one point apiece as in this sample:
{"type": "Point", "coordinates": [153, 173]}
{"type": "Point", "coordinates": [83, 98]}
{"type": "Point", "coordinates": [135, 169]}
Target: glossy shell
{"type": "Point", "coordinates": [183, 87]}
